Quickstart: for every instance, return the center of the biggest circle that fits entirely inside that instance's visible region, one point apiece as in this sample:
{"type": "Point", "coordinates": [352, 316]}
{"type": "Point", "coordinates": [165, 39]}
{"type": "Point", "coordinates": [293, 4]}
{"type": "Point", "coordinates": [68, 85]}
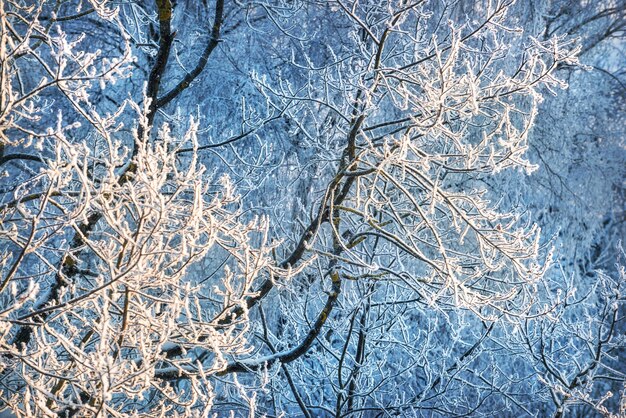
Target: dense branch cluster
{"type": "Point", "coordinates": [292, 208]}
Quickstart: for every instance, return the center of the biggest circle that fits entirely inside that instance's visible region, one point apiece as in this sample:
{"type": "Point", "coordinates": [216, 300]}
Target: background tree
{"type": "Point", "coordinates": [340, 228]}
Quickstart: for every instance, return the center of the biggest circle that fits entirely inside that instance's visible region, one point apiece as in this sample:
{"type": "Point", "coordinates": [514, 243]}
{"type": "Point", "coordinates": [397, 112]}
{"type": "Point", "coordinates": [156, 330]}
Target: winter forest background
{"type": "Point", "coordinates": [346, 208]}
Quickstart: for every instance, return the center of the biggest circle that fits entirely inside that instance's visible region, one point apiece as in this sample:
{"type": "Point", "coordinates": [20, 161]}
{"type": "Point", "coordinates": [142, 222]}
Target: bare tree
{"type": "Point", "coordinates": [286, 210]}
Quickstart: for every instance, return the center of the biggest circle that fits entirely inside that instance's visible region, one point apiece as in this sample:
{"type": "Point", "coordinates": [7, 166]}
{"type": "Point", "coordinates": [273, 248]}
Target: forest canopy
{"type": "Point", "coordinates": [346, 208]}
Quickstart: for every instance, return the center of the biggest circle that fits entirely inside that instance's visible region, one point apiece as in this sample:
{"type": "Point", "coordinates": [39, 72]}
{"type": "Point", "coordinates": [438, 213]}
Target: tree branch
{"type": "Point", "coordinates": [213, 42]}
